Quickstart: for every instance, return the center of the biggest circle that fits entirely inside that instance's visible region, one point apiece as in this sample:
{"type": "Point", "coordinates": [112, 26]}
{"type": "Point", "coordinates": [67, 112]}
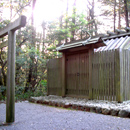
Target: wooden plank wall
{"type": "Point", "coordinates": [125, 71]}
{"type": "Point", "coordinates": [103, 69]}
{"type": "Point", "coordinates": [54, 67]}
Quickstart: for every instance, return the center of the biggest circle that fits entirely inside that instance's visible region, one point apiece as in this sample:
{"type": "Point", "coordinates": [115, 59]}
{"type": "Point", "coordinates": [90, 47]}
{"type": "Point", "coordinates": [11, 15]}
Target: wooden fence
{"type": "Point", "coordinates": [105, 76]}
{"type": "Point", "coordinates": [54, 77]}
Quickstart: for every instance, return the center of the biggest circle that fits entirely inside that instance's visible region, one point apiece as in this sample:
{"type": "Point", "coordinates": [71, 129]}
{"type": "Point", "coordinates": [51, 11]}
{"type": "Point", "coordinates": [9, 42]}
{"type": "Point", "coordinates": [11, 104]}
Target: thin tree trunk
{"type": "Point", "coordinates": [31, 74]}
{"type": "Point", "coordinates": [67, 8]}
{"type": "Point", "coordinates": [11, 9]}
{"type": "Point", "coordinates": [60, 26]}
{"type": "Point", "coordinates": [119, 13]}
{"type": "Point", "coordinates": [94, 23]}
{"type": "Point", "coordinates": [1, 82]}
{"type": "Point", "coordinates": [44, 36]}
{"type": "Point", "coordinates": [114, 15]}
{"type": "Point", "coordinates": [126, 13]}
{"type": "Point", "coordinates": [73, 21]}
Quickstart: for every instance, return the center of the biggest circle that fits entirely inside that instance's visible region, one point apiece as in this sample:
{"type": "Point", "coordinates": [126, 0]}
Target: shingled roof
{"type": "Point", "coordinates": [109, 41]}
{"type": "Point", "coordinates": [97, 42]}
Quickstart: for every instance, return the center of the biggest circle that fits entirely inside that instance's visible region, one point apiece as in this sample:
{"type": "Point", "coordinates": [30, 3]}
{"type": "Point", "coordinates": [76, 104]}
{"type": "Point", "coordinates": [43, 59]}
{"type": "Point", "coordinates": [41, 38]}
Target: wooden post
{"type": "Point", "coordinates": [10, 103]}
{"type": "Point", "coordinates": [63, 75]}
{"type": "Point", "coordinates": [10, 31]}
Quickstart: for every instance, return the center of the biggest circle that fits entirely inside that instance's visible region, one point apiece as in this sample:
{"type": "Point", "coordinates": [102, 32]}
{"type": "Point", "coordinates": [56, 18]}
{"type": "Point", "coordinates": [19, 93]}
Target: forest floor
{"type": "Point", "coordinates": [31, 116]}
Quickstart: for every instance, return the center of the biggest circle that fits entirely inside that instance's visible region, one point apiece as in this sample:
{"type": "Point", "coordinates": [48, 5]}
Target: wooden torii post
{"type": "Point", "coordinates": [10, 89]}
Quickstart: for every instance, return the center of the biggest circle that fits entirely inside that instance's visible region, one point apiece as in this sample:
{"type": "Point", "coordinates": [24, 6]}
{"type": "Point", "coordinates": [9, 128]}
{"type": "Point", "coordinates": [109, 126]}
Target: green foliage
{"type": "Point", "coordinates": [2, 92]}
{"type": "Point", "coordinates": [21, 95]}
{"type": "Point", "coordinates": [33, 50]}
{"type": "Point", "coordinates": [43, 83]}
{"type": "Point", "coordinates": [40, 90]}
{"type": "Point", "coordinates": [3, 23]}
{"type": "Point", "coordinates": [60, 33]}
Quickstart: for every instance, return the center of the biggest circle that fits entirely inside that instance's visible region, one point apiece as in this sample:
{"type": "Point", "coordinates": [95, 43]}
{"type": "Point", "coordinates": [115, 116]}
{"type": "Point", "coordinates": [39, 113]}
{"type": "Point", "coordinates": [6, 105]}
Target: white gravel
{"type": "Point", "coordinates": [92, 103]}
{"type": "Point", "coordinates": [30, 116]}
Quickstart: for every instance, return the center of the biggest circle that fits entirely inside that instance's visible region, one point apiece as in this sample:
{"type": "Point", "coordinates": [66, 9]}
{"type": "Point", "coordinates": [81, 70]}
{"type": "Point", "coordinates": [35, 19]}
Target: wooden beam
{"type": "Point", "coordinates": [10, 30]}
{"type": "Point", "coordinates": [20, 22]}
{"type": "Point", "coordinates": [10, 102]}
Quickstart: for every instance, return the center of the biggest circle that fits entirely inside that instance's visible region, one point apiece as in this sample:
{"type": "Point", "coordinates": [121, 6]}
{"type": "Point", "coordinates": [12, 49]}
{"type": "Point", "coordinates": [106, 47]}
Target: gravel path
{"type": "Point", "coordinates": [30, 116]}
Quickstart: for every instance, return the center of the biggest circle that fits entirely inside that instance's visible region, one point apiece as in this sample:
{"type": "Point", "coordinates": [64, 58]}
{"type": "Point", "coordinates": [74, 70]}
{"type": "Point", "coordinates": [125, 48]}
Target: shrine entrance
{"type": "Point", "coordinates": [77, 74]}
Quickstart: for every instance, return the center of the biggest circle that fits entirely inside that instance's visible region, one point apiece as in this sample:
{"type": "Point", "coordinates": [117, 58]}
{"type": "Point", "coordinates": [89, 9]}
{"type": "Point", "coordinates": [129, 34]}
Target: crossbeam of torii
{"type": "Point", "coordinates": [10, 31]}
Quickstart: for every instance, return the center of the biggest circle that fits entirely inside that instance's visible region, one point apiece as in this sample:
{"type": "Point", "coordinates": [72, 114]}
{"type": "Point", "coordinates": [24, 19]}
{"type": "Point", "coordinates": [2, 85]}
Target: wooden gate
{"type": "Point", "coordinates": [77, 75]}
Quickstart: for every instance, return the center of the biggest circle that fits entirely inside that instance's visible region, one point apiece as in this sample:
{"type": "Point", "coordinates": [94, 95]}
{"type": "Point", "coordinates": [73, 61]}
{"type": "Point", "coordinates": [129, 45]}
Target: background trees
{"type": "Point", "coordinates": [117, 11]}
{"type": "Point", "coordinates": [34, 47]}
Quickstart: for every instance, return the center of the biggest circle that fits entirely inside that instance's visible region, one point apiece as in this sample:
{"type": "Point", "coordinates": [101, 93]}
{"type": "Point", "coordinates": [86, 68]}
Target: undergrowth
{"type": "Point", "coordinates": [20, 93]}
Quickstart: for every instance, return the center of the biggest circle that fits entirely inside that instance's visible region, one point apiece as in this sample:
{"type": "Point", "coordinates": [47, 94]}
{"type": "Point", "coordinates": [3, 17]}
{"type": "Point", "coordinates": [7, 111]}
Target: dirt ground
{"type": "Point", "coordinates": [30, 116]}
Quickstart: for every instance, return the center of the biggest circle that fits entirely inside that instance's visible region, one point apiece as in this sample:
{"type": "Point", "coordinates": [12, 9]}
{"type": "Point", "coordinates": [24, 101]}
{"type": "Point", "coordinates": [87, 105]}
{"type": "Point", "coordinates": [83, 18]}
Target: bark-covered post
{"type": "Point", "coordinates": [10, 88]}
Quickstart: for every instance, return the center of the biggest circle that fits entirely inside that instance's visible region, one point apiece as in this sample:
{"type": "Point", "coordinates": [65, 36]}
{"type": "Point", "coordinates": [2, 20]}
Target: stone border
{"type": "Point", "coordinates": [96, 106]}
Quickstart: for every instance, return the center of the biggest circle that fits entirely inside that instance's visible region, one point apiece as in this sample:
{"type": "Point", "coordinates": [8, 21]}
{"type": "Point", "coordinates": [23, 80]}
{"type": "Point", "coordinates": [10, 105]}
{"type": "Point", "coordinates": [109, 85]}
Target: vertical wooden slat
{"type": "Point", "coordinates": [100, 76]}
{"type": "Point", "coordinates": [113, 76]}
{"type": "Point", "coordinates": [125, 75]}
{"type": "Point", "coordinates": [117, 76]}
{"type": "Point", "coordinates": [104, 72]}
{"type": "Point", "coordinates": [48, 77]}
{"type": "Point", "coordinates": [129, 73]}
{"type": "Point", "coordinates": [107, 73]}
{"type": "Point", "coordinates": [90, 73]}
{"type": "Point", "coordinates": [63, 75]}
{"type": "Point", "coordinates": [110, 74]}
{"type": "Point", "coordinates": [98, 85]}
{"type": "Point", "coordinates": [93, 77]}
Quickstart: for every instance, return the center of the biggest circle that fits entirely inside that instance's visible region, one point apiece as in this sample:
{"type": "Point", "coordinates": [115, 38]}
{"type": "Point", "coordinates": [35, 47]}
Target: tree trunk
{"type": "Point", "coordinates": [11, 7]}
{"type": "Point", "coordinates": [66, 19]}
{"type": "Point", "coordinates": [114, 15]}
{"type": "Point", "coordinates": [60, 26]}
{"type": "Point", "coordinates": [31, 75]}
{"type": "Point", "coordinates": [94, 23]}
{"type": "Point", "coordinates": [44, 36]}
{"type": "Point", "coordinates": [1, 83]}
{"type": "Point", "coordinates": [126, 13]}
{"type": "Point", "coordinates": [119, 13]}
{"type": "Point", "coordinates": [73, 21]}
